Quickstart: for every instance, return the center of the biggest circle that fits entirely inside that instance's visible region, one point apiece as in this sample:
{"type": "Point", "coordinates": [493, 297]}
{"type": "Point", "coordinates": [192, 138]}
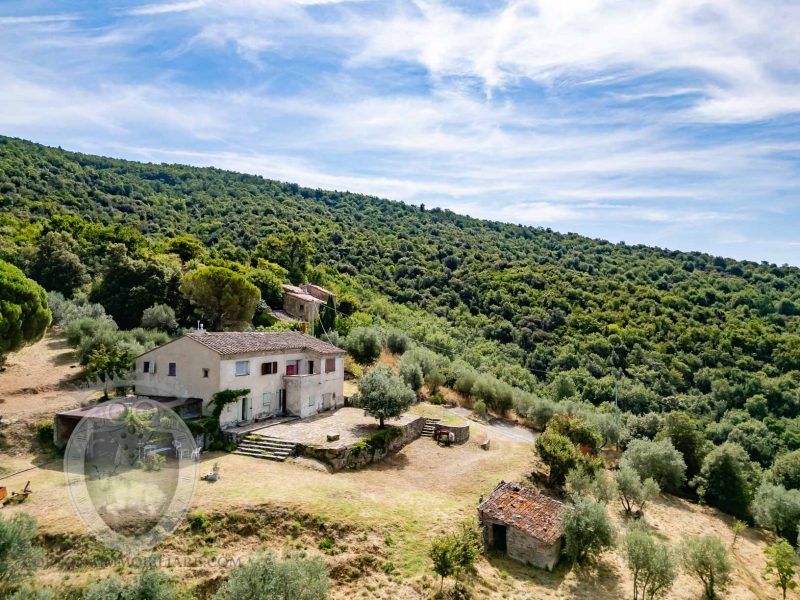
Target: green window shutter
{"type": "Point", "coordinates": [266, 400]}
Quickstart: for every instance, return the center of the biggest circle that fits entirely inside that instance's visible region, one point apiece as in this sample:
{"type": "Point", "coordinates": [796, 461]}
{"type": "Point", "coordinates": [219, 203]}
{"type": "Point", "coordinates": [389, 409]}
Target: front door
{"type": "Point", "coordinates": [499, 537]}
{"type": "Point", "coordinates": [281, 402]}
{"type": "Point", "coordinates": [247, 409]}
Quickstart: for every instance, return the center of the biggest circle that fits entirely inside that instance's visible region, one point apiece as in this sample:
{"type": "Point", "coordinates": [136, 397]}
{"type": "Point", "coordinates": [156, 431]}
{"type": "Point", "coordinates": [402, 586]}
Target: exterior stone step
{"type": "Point", "coordinates": [268, 444]}
{"type": "Point", "coordinates": [259, 454]}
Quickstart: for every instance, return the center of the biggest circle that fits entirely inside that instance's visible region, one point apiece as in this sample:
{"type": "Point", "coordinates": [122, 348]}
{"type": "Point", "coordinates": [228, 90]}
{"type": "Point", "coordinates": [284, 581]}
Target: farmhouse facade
{"type": "Point", "coordinates": [287, 373]}
{"type": "Point", "coordinates": [523, 523]}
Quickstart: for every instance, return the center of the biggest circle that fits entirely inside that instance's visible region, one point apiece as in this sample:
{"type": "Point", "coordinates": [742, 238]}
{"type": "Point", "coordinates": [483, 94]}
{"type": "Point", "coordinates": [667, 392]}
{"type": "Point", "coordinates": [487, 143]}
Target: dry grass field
{"type": "Point", "coordinates": [378, 522]}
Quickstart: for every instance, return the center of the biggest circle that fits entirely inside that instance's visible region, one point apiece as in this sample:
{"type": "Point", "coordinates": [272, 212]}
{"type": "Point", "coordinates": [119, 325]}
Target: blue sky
{"type": "Point", "coordinates": [666, 122]}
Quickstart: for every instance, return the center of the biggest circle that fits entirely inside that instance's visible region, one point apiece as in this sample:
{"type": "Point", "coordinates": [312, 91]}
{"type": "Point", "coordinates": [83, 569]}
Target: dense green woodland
{"type": "Point", "coordinates": [557, 315]}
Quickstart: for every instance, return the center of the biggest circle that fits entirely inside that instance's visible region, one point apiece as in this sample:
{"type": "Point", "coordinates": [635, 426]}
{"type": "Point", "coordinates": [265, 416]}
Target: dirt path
{"type": "Point", "coordinates": [39, 379]}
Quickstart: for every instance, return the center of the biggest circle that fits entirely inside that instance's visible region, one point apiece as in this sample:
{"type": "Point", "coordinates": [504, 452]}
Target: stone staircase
{"type": "Point", "coordinates": [430, 424]}
{"type": "Point", "coordinates": [261, 446]}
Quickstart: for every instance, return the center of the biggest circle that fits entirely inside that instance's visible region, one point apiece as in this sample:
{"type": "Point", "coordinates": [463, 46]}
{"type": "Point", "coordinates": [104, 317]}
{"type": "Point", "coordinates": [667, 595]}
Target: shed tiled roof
{"type": "Point", "coordinates": [526, 509]}
{"type": "Point", "coordinates": [244, 342]}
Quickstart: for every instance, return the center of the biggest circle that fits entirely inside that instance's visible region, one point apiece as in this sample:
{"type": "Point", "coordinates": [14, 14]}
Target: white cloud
{"type": "Point", "coordinates": [167, 7]}
{"type": "Point", "coordinates": [551, 112]}
{"type": "Point", "coordinates": [36, 19]}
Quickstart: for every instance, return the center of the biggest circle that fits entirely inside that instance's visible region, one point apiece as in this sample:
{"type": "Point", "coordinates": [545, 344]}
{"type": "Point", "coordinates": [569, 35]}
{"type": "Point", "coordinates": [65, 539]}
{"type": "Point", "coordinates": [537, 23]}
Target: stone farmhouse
{"type": "Point", "coordinates": [287, 373]}
{"type": "Point", "coordinates": [523, 523]}
{"type": "Point", "coordinates": [303, 302]}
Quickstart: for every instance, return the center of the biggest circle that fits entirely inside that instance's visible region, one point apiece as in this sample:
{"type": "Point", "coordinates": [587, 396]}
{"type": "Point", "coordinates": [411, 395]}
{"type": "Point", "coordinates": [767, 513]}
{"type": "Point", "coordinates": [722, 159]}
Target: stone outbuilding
{"type": "Point", "coordinates": [523, 523]}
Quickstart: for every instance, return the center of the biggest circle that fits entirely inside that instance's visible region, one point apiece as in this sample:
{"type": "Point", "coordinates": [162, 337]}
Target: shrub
{"type": "Point", "coordinates": [656, 460]}
{"type": "Point", "coordinates": [364, 344]}
{"type": "Point", "coordinates": [651, 564]}
{"type": "Point", "coordinates": [31, 593]}
{"type": "Point", "coordinates": [437, 399]}
{"type": "Point", "coordinates": [18, 554]}
{"type": "Point", "coordinates": [266, 578]}
{"type": "Point", "coordinates": [397, 342]}
{"type": "Point", "coordinates": [632, 490]}
{"type": "Point", "coordinates": [728, 479]}
{"type": "Point", "coordinates": [65, 311]}
{"type": "Point", "coordinates": [706, 558]}
{"type": "Point", "coordinates": [150, 584]}
{"type": "Point", "coordinates": [480, 408]}
{"type": "Point", "coordinates": [198, 522]}
{"type": "Point", "coordinates": [587, 530]}
{"type": "Point", "coordinates": [159, 316]}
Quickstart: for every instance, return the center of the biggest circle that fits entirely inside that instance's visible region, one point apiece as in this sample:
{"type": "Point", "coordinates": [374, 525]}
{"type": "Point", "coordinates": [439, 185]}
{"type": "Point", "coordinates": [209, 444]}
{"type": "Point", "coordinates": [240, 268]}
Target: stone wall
{"type": "Point", "coordinates": [460, 432]}
{"type": "Point", "coordinates": [527, 549]}
{"type": "Point", "coordinates": [523, 547]}
{"type": "Point", "coordinates": [358, 455]}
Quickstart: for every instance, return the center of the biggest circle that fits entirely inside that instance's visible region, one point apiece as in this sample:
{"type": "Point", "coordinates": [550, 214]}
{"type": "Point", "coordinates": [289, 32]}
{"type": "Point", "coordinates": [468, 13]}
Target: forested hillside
{"type": "Point", "coordinates": [535, 307]}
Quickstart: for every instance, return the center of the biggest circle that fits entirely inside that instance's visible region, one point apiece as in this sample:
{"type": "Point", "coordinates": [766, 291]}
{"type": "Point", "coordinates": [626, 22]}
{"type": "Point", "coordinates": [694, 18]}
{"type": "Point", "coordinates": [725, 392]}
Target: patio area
{"type": "Point", "coordinates": [350, 424]}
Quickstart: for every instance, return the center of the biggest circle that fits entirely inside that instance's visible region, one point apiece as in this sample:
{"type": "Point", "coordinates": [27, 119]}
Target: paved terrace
{"type": "Point", "coordinates": [350, 423]}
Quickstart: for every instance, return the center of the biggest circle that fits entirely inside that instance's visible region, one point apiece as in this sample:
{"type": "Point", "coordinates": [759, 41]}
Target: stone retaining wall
{"type": "Point", "coordinates": [359, 454]}
{"type": "Point", "coordinates": [460, 432]}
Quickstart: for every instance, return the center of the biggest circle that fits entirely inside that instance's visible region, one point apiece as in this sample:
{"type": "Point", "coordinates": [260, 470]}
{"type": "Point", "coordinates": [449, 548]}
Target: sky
{"type": "Point", "coordinates": [673, 123]}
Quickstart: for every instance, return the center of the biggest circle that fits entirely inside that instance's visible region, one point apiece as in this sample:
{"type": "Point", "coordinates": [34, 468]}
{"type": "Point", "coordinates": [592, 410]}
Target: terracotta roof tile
{"type": "Point", "coordinates": [526, 509]}
{"type": "Point", "coordinates": [244, 342]}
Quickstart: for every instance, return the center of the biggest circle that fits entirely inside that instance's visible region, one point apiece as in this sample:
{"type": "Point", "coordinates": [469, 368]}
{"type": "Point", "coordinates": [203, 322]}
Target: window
{"type": "Point", "coordinates": [242, 368]}
{"type": "Point", "coordinates": [269, 368]}
{"type": "Point", "coordinates": [205, 373]}
{"type": "Point", "coordinates": [172, 369]}
{"type": "Point", "coordinates": [330, 365]}
{"type": "Point", "coordinates": [293, 367]}
{"type": "Point", "coordinates": [311, 367]}
{"type": "Point", "coordinates": [146, 366]}
{"type": "Point", "coordinates": [266, 401]}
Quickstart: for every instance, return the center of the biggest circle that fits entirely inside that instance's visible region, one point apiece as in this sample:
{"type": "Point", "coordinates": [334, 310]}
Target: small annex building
{"type": "Point", "coordinates": [523, 523]}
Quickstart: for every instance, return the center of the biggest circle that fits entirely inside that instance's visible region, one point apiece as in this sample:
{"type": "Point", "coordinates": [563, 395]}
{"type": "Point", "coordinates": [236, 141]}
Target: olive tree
{"type": "Point", "coordinates": [706, 558]}
{"type": "Point", "coordinates": [656, 460]}
{"type": "Point", "coordinates": [382, 395]}
{"type": "Point", "coordinates": [588, 530]}
{"type": "Point", "coordinates": [364, 344]}
{"type": "Point", "coordinates": [776, 508]}
{"type": "Point", "coordinates": [782, 563]}
{"type": "Point", "coordinates": [651, 564]}
{"type": "Point", "coordinates": [632, 490]}
{"type": "Point", "coordinates": [267, 578]}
